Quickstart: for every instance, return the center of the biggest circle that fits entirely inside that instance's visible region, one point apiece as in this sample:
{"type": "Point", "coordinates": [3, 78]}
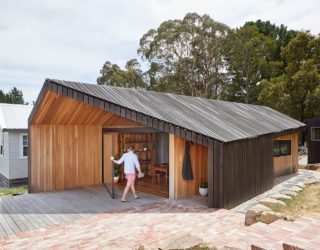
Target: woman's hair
{"type": "Point", "coordinates": [131, 147]}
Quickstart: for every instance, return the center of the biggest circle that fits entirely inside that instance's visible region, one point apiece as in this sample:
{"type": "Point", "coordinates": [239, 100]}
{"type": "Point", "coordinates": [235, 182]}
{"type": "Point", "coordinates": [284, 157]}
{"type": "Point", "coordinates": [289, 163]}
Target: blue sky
{"type": "Point", "coordinates": [72, 39]}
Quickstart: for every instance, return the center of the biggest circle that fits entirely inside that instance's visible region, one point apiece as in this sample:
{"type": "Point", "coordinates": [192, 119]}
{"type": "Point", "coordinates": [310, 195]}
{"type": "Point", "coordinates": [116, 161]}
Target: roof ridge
{"type": "Point", "coordinates": [158, 92]}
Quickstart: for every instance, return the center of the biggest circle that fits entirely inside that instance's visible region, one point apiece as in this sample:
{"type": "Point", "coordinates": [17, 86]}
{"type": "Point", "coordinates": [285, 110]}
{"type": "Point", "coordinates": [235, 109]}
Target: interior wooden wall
{"type": "Point", "coordinates": [199, 160]}
{"type": "Point", "coordinates": [65, 156]}
{"type": "Point", "coordinates": [283, 165]}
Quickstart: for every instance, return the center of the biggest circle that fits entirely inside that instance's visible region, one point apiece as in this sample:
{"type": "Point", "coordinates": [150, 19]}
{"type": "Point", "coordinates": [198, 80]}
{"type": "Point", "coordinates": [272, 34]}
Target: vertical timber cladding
{"type": "Point", "coordinates": [239, 170]}
{"type": "Point", "coordinates": [283, 165]}
{"type": "Point", "coordinates": [65, 156]}
{"type": "Point", "coordinates": [199, 161]}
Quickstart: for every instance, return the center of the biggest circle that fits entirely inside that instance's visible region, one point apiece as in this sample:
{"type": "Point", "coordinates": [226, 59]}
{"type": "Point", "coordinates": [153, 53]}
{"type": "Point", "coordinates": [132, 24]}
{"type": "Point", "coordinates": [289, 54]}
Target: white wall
{"type": "Point", "coordinates": [4, 160]}
{"type": "Point", "coordinates": [18, 168]}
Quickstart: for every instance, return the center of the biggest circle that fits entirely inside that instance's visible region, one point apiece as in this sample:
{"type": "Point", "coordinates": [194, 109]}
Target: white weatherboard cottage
{"type": "Point", "coordinates": [14, 144]}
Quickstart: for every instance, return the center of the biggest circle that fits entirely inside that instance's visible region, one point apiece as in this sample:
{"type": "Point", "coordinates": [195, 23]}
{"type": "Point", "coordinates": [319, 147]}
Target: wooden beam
{"type": "Point", "coordinates": [171, 168]}
{"type": "Point", "coordinates": [210, 173]}
{"type": "Point", "coordinates": [217, 174]}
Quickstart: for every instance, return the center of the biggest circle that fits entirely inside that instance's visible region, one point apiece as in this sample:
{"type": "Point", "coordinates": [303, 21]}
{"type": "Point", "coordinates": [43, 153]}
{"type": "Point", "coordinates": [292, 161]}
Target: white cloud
{"type": "Point", "coordinates": [72, 39]}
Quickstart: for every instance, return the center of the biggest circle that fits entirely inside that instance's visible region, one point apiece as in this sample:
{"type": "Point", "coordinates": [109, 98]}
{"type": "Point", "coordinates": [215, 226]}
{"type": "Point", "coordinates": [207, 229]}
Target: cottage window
{"type": "Point", "coordinates": [23, 146]}
{"type": "Point", "coordinates": [315, 133]}
{"type": "Point", "coordinates": [281, 148]}
{"type": "Point", "coordinates": [1, 145]}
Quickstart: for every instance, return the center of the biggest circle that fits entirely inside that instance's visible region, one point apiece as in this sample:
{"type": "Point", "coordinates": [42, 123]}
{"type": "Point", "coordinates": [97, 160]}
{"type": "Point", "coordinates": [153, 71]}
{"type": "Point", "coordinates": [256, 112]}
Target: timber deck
{"type": "Point", "coordinates": [39, 210]}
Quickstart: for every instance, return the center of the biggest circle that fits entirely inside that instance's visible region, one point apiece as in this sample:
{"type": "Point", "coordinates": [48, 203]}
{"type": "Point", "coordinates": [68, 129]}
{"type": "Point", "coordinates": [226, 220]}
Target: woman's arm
{"type": "Point", "coordinates": [120, 161]}
{"type": "Point", "coordinates": [137, 164]}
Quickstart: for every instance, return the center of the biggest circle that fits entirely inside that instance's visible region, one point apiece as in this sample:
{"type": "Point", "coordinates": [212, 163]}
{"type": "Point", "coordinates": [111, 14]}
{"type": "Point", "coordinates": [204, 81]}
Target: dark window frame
{"type": "Point", "coordinates": [279, 144]}
{"type": "Point", "coordinates": [313, 134]}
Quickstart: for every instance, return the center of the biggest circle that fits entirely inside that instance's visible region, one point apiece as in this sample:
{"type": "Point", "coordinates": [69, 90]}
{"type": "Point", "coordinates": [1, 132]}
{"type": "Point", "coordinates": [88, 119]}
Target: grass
{"type": "Point", "coordinates": [306, 203]}
{"type": "Point", "coordinates": [13, 191]}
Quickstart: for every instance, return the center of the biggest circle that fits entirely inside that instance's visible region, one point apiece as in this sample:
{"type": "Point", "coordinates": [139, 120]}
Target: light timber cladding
{"type": "Point", "coordinates": [199, 161]}
{"type": "Point", "coordinates": [287, 164]}
{"type": "Point", "coordinates": [65, 157]}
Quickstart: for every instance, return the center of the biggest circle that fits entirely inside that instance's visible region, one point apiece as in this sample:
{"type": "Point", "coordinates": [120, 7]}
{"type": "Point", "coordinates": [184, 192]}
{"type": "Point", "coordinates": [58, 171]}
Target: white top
{"type": "Point", "coordinates": [131, 162]}
{"type": "Point", "coordinates": [14, 116]}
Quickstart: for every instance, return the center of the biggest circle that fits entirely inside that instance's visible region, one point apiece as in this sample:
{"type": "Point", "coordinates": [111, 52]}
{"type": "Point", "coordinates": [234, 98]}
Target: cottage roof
{"type": "Point", "coordinates": [14, 116]}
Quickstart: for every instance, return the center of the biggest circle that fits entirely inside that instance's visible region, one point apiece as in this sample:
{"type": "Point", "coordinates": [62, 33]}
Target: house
{"type": "Point", "coordinates": [237, 148]}
{"type": "Point", "coordinates": [313, 140]}
{"type": "Point", "coordinates": [14, 144]}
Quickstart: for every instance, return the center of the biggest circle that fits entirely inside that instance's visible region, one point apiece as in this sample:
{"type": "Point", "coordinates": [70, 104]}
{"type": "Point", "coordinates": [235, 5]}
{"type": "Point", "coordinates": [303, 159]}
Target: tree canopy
{"type": "Point", "coordinates": [14, 96]}
{"type": "Point", "coordinates": [257, 63]}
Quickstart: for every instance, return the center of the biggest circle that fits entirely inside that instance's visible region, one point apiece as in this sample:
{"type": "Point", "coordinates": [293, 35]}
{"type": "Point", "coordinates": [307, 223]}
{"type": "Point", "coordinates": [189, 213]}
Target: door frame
{"type": "Point", "coordinates": [111, 190]}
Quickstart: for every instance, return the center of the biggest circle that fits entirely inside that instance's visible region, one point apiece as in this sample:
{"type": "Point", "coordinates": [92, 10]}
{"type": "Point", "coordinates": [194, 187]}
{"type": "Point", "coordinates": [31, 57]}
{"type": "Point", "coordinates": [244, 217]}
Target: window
{"type": "Point", "coordinates": [281, 148]}
{"type": "Point", "coordinates": [1, 144]}
{"type": "Point", "coordinates": [315, 134]}
{"type": "Point", "coordinates": [23, 146]}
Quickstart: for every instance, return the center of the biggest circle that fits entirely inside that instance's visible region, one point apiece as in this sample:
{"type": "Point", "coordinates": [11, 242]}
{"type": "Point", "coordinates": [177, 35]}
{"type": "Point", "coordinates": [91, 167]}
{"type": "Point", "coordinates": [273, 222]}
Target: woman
{"type": "Point", "coordinates": [131, 163]}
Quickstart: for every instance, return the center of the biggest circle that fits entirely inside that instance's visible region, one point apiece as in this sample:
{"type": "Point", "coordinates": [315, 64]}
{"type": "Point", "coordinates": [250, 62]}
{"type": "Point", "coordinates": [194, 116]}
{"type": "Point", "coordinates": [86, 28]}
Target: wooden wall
{"type": "Point", "coordinates": [64, 156]}
{"type": "Point", "coordinates": [313, 146]}
{"type": "Point", "coordinates": [238, 171]}
{"type": "Point", "coordinates": [199, 160]}
{"type": "Point", "coordinates": [283, 165]}
{"type": "Point", "coordinates": [66, 143]}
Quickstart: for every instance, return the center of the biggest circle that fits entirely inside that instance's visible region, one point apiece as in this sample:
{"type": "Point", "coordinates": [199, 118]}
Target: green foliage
{"type": "Point", "coordinates": [259, 63]}
{"type": "Point", "coordinates": [296, 93]}
{"type": "Point", "coordinates": [2, 96]}
{"type": "Point", "coordinates": [248, 62]}
{"type": "Point", "coordinates": [130, 77]}
{"type": "Point", "coordinates": [186, 56]}
{"type": "Point", "coordinates": [280, 34]}
{"type": "Point", "coordinates": [203, 184]}
{"type": "Point", "coordinates": [13, 191]}
{"type": "Point", "coordinates": [14, 96]}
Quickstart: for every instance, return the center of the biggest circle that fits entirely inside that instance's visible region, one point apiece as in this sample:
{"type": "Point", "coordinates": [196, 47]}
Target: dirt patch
{"type": "Point", "coordinates": [306, 203]}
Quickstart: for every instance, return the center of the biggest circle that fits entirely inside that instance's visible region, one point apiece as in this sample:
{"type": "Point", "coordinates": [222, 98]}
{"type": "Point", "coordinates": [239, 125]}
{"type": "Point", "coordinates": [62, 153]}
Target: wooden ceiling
{"type": "Point", "coordinates": [63, 110]}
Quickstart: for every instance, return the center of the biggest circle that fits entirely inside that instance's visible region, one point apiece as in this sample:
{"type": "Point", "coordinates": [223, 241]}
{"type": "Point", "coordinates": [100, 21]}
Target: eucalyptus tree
{"type": "Point", "coordinates": [297, 91]}
{"type": "Point", "coordinates": [186, 56]}
{"type": "Point", "coordinates": [131, 77]}
{"type": "Point", "coordinates": [248, 62]}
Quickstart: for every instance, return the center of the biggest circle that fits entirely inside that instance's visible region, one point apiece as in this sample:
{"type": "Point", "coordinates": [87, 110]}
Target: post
{"type": "Point", "coordinates": [102, 166]}
{"type": "Point", "coordinates": [210, 174]}
{"type": "Point", "coordinates": [171, 168]}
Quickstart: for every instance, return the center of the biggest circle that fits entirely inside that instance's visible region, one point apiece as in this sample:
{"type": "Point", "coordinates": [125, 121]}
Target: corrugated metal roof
{"type": "Point", "coordinates": [221, 120]}
{"type": "Point", "coordinates": [14, 116]}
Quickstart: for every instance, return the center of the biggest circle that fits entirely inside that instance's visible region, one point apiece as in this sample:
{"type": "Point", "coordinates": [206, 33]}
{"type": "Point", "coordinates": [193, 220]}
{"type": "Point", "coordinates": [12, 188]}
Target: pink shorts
{"type": "Point", "coordinates": [131, 178]}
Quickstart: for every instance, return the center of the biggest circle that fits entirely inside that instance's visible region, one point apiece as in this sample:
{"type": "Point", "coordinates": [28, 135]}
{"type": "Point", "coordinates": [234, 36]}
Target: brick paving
{"type": "Point", "coordinates": [164, 224]}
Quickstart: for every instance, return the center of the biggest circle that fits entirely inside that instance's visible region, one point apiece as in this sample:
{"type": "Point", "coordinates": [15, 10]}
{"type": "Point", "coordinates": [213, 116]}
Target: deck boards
{"type": "Point", "coordinates": [39, 210]}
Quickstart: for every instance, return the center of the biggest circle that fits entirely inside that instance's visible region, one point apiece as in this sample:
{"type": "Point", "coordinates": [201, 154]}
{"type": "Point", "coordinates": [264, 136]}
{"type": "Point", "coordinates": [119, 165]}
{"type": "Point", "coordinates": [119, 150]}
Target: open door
{"type": "Point", "coordinates": [108, 165]}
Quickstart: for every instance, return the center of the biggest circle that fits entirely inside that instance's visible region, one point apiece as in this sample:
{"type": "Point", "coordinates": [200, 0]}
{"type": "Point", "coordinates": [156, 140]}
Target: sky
{"type": "Point", "coordinates": [72, 39]}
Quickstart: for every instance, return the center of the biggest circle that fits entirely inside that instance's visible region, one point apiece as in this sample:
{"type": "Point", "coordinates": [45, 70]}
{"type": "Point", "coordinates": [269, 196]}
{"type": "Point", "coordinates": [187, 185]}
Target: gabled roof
{"type": "Point", "coordinates": [220, 120]}
{"type": "Point", "coordinates": [14, 116]}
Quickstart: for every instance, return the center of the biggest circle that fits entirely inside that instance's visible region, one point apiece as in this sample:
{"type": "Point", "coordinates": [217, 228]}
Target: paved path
{"type": "Point", "coordinates": [167, 224]}
{"type": "Point", "coordinates": [282, 184]}
{"type": "Point", "coordinates": [39, 210]}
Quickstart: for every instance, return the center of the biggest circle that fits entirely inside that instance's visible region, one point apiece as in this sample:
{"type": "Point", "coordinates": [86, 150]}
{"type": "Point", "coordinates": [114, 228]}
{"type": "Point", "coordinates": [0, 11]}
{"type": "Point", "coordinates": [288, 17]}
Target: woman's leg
{"type": "Point", "coordinates": [126, 191]}
{"type": "Point", "coordinates": [133, 191]}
